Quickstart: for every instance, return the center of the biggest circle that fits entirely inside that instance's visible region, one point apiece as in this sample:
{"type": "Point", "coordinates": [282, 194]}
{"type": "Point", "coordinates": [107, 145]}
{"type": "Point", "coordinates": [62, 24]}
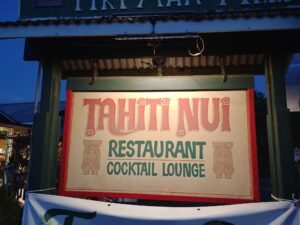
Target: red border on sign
{"type": "Point", "coordinates": [253, 164]}
{"type": "Point", "coordinates": [253, 146]}
{"type": "Point", "coordinates": [66, 142]}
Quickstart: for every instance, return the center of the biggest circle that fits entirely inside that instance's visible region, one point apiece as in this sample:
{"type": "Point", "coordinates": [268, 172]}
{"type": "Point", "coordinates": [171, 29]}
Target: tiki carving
{"type": "Point", "coordinates": [91, 157]}
{"type": "Point", "coordinates": [223, 159]}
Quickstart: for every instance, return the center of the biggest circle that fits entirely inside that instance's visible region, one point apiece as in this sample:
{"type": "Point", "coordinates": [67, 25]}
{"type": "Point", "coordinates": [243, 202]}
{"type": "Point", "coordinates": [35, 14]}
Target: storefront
{"type": "Point", "coordinates": [178, 74]}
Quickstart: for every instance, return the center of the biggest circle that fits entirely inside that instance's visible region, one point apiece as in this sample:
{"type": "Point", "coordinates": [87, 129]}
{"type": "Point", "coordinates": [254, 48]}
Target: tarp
{"type": "Point", "coordinates": [51, 209]}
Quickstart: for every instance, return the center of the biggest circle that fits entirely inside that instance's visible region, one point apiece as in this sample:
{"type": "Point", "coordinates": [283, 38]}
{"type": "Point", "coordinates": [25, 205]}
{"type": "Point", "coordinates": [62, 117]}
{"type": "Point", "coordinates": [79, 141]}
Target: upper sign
{"type": "Point", "coordinates": [92, 8]}
{"type": "Point", "coordinates": [192, 146]}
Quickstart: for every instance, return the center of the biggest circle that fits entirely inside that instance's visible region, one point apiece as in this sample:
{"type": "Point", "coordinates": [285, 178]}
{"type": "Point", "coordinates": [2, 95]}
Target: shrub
{"type": "Point", "coordinates": [10, 212]}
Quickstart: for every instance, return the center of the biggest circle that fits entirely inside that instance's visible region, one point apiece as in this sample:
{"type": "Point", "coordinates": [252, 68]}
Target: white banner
{"type": "Point", "coordinates": [54, 210]}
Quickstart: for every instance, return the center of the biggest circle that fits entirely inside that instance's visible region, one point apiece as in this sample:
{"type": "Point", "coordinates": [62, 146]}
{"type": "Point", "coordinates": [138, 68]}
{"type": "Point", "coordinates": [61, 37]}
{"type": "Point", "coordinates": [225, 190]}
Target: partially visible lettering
{"type": "Point", "coordinates": [70, 215]}
{"type": "Point", "coordinates": [111, 5]}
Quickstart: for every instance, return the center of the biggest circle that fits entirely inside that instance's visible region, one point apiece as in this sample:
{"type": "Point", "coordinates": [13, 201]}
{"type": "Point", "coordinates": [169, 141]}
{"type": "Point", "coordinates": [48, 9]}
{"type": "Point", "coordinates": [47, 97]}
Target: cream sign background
{"type": "Point", "coordinates": [187, 144]}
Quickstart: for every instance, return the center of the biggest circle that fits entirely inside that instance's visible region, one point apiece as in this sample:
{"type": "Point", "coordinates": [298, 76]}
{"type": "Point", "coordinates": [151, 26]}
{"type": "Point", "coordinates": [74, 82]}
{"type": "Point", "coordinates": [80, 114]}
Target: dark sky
{"type": "Point", "coordinates": [18, 78]}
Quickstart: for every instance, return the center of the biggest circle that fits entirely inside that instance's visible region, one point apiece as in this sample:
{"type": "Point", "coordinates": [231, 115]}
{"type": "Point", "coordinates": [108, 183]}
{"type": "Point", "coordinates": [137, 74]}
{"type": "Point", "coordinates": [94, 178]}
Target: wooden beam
{"type": "Point", "coordinates": [175, 83]}
{"type": "Point", "coordinates": [45, 134]}
{"type": "Point", "coordinates": [167, 71]}
{"type": "Point", "coordinates": [215, 44]}
{"type": "Point", "coordinates": [279, 130]}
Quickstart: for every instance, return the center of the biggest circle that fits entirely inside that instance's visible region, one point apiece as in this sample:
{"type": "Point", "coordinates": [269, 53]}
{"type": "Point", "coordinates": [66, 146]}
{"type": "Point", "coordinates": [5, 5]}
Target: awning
{"type": "Point", "coordinates": [151, 25]}
{"type": "Point", "coordinates": [234, 64]}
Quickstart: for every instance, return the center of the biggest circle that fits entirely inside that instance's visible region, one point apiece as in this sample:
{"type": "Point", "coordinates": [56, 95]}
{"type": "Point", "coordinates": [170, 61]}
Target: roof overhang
{"type": "Point", "coordinates": [79, 41]}
{"type": "Point", "coordinates": [151, 26]}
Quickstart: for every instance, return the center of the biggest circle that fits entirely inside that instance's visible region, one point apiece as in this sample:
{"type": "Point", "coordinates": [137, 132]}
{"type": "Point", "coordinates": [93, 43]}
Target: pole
{"type": "Point", "coordinates": [43, 153]}
{"type": "Point", "coordinates": [279, 130]}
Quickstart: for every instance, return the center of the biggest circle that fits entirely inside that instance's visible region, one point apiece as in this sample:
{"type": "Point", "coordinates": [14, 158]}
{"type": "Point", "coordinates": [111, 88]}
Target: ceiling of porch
{"type": "Point", "coordinates": [147, 66]}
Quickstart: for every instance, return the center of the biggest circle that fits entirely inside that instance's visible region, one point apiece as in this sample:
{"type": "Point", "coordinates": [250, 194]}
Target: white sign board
{"type": "Point", "coordinates": [190, 146]}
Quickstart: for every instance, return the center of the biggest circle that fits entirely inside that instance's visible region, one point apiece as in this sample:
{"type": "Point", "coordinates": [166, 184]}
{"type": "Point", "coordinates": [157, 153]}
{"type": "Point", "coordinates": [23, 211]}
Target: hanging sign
{"type": "Point", "coordinates": [191, 146]}
{"type": "Point", "coordinates": [92, 8]}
